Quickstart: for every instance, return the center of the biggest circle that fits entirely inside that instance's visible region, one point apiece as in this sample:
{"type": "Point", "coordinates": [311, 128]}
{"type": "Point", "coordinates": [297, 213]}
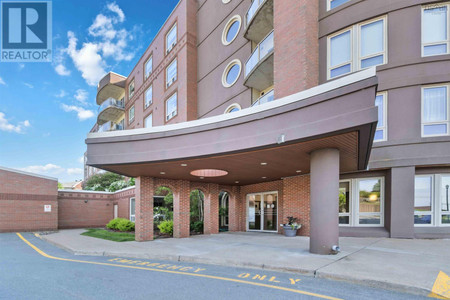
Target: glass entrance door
{"type": "Point", "coordinates": [262, 211]}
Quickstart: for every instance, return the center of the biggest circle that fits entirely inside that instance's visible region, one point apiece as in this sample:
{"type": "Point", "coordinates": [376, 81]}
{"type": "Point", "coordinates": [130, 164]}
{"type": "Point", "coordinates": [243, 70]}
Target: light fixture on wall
{"type": "Point", "coordinates": [86, 201]}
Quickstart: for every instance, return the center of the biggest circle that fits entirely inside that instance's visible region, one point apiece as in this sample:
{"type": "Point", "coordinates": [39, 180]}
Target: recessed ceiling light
{"type": "Point", "coordinates": [184, 165]}
{"type": "Point", "coordinates": [263, 164]}
{"type": "Point", "coordinates": [202, 177]}
{"type": "Point", "coordinates": [162, 173]}
{"type": "Point", "coordinates": [264, 177]}
{"type": "Point", "coordinates": [298, 171]}
{"type": "Point", "coordinates": [236, 182]}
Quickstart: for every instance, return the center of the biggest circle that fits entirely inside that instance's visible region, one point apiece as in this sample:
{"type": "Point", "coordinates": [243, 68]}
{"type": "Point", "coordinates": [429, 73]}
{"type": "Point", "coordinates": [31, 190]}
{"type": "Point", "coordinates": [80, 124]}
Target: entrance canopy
{"type": "Point", "coordinates": [257, 144]}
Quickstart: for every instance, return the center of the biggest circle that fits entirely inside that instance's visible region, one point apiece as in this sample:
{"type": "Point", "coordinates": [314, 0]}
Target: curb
{"type": "Point", "coordinates": [403, 288]}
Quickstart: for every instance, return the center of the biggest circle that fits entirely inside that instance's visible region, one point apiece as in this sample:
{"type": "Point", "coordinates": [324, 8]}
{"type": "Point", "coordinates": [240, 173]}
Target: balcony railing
{"type": "Point", "coordinates": [262, 50]}
{"type": "Point", "coordinates": [111, 102]}
{"type": "Point", "coordinates": [268, 97]}
{"type": "Point", "coordinates": [110, 126]}
{"type": "Point", "coordinates": [252, 10]}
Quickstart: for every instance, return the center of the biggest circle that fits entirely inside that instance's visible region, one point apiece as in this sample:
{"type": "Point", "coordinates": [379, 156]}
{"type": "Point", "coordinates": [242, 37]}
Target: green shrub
{"type": "Point", "coordinates": [125, 225]}
{"type": "Point", "coordinates": [166, 227]}
{"type": "Point", "coordinates": [197, 226]}
{"type": "Point", "coordinates": [120, 224]}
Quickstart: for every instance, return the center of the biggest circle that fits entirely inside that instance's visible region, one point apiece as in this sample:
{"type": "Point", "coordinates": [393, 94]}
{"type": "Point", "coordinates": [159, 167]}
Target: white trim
{"type": "Point", "coordinates": [355, 47]}
{"type": "Point", "coordinates": [262, 215]}
{"type": "Point", "coordinates": [436, 212]}
{"type": "Point", "coordinates": [329, 5]}
{"type": "Point", "coordinates": [385, 115]}
{"type": "Point", "coordinates": [134, 216]}
{"type": "Point", "coordinates": [27, 173]}
{"type": "Point", "coordinates": [443, 42]}
{"type": "Point", "coordinates": [443, 122]}
{"type": "Point", "coordinates": [227, 28]}
{"type": "Point", "coordinates": [227, 69]}
{"type": "Point", "coordinates": [170, 81]}
{"type": "Point", "coordinates": [317, 90]}
{"type": "Point", "coordinates": [230, 107]}
{"type": "Point", "coordinates": [170, 47]}
{"type": "Point", "coordinates": [98, 192]}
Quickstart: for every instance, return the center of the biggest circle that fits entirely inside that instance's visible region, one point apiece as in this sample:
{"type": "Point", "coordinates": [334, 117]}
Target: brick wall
{"type": "Point", "coordinates": [22, 200]}
{"type": "Point", "coordinates": [296, 46]}
{"type": "Point", "coordinates": [296, 201]}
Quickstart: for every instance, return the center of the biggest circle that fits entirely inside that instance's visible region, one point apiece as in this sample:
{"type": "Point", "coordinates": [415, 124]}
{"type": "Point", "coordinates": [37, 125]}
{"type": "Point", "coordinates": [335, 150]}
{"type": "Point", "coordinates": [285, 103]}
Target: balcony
{"type": "Point", "coordinates": [259, 67]}
{"type": "Point", "coordinates": [110, 110]}
{"type": "Point", "coordinates": [110, 126]}
{"type": "Point", "coordinates": [259, 20]}
{"type": "Point", "coordinates": [111, 86]}
{"type": "Point", "coordinates": [268, 97]}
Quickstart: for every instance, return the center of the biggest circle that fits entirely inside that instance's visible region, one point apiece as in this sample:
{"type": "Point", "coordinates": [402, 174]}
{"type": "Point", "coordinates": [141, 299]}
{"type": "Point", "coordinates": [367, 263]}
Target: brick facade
{"type": "Point", "coordinates": [296, 201]}
{"type": "Point", "coordinates": [296, 63]}
{"type": "Point", "coordinates": [22, 200]}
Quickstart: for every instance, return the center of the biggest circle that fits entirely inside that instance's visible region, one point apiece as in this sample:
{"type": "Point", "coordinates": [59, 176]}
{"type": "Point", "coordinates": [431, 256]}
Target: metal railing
{"type": "Point", "coordinates": [110, 126]}
{"type": "Point", "coordinates": [252, 10]}
{"type": "Point", "coordinates": [111, 102]}
{"type": "Point", "coordinates": [268, 97]}
{"type": "Point", "coordinates": [264, 48]}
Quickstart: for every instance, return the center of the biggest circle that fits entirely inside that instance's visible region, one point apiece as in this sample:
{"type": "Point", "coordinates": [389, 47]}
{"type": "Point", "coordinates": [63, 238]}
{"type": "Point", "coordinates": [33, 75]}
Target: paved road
{"type": "Point", "coordinates": [32, 269]}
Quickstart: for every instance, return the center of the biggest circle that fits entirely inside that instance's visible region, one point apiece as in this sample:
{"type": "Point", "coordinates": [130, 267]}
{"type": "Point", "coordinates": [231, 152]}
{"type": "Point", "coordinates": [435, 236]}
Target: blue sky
{"type": "Point", "coordinates": [46, 109]}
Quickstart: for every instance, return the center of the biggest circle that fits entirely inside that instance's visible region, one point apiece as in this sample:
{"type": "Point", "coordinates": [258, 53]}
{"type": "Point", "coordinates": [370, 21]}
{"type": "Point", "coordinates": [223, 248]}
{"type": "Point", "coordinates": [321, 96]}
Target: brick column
{"type": "Point", "coordinates": [233, 210]}
{"type": "Point", "coordinates": [211, 206]}
{"type": "Point", "coordinates": [296, 46]}
{"type": "Point", "coordinates": [181, 210]}
{"type": "Point", "coordinates": [144, 209]}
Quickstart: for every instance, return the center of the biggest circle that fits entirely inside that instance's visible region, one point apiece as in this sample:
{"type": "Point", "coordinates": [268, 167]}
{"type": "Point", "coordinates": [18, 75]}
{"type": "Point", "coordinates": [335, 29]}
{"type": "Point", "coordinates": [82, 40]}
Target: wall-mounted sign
{"type": "Point", "coordinates": [47, 208]}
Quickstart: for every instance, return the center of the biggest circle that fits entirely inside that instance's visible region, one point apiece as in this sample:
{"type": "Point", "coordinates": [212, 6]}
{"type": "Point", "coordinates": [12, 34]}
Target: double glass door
{"type": "Point", "coordinates": [262, 211]}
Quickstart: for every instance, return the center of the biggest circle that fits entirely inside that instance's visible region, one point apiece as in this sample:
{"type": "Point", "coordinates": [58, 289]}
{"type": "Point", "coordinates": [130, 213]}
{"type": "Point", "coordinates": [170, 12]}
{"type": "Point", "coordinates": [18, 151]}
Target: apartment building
{"type": "Point", "coordinates": [335, 112]}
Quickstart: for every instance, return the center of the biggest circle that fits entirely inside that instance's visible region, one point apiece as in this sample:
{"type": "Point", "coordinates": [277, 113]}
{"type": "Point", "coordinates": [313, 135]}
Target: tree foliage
{"type": "Point", "coordinates": [107, 181]}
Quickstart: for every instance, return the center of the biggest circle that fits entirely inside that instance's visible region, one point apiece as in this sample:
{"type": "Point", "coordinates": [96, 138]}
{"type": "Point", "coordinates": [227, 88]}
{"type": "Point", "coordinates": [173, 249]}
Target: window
{"type": "Point", "coordinates": [335, 3]}
{"type": "Point", "coordinates": [132, 209]}
{"type": "Point", "coordinates": [435, 39]}
{"type": "Point", "coordinates": [431, 200]}
{"type": "Point", "coordinates": [149, 67]}
{"type": "Point", "coordinates": [148, 96]}
{"type": "Point", "coordinates": [131, 115]}
{"type": "Point", "coordinates": [231, 30]}
{"type": "Point", "coordinates": [231, 73]}
{"type": "Point", "coordinates": [381, 131]}
{"type": "Point", "coordinates": [171, 38]}
{"type": "Point", "coordinates": [131, 89]}
{"type": "Point", "coordinates": [435, 110]}
{"type": "Point", "coordinates": [361, 202]}
{"type": "Point", "coordinates": [358, 47]}
{"type": "Point", "coordinates": [171, 107]}
{"type": "Point", "coordinates": [148, 122]}
{"type": "Point", "coordinates": [233, 108]}
{"type": "Point", "coordinates": [171, 73]}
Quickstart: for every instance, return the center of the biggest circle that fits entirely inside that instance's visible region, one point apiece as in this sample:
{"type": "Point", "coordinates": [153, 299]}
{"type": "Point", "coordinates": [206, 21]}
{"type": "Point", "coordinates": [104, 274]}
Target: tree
{"type": "Point", "coordinates": [60, 186]}
{"type": "Point", "coordinates": [102, 181]}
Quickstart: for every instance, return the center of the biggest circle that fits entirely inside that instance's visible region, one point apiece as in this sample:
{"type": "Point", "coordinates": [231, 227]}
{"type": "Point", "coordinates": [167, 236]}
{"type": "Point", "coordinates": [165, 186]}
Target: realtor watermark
{"type": "Point", "coordinates": [26, 31]}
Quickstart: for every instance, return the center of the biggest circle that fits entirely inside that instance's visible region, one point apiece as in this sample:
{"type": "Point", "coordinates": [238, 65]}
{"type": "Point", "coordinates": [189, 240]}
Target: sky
{"type": "Point", "coordinates": [47, 109]}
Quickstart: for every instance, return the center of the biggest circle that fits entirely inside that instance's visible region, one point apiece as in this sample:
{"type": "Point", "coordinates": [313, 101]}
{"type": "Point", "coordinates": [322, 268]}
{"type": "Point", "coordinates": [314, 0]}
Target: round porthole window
{"type": "Point", "coordinates": [226, 1]}
{"type": "Point", "coordinates": [231, 30]}
{"type": "Point", "coordinates": [233, 108]}
{"type": "Point", "coordinates": [231, 73]}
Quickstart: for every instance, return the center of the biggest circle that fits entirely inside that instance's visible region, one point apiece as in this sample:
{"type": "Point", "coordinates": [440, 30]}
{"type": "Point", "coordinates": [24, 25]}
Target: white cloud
{"type": "Point", "coordinates": [75, 171]}
{"type": "Point", "coordinates": [28, 85]}
{"type": "Point", "coordinates": [81, 96]}
{"type": "Point", "coordinates": [6, 126]}
{"type": "Point", "coordinates": [81, 159]}
{"type": "Point", "coordinates": [21, 66]}
{"type": "Point", "coordinates": [51, 169]}
{"type": "Point", "coordinates": [62, 70]}
{"type": "Point", "coordinates": [107, 41]}
{"type": "Point", "coordinates": [86, 60]}
{"type": "Point", "coordinates": [2, 81]}
{"type": "Point", "coordinates": [45, 169]}
{"type": "Point", "coordinates": [83, 114]}
{"type": "Point", "coordinates": [61, 94]}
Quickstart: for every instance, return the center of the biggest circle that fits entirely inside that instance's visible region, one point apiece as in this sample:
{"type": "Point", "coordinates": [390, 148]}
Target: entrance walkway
{"type": "Point", "coordinates": [406, 265]}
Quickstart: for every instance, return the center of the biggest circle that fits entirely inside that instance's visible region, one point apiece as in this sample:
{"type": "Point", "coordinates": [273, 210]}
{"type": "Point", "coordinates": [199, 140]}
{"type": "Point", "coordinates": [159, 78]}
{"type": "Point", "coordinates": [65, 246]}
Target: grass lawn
{"type": "Point", "coordinates": [109, 235]}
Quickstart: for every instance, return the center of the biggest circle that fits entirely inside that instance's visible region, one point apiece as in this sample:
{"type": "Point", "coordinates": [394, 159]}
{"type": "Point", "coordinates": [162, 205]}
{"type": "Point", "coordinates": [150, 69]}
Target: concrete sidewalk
{"type": "Point", "coordinates": [405, 265]}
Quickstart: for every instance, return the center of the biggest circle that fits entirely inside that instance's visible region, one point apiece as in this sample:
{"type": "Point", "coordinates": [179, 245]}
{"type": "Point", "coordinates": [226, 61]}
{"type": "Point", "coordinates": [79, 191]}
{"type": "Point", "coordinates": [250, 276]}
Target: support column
{"type": "Point", "coordinates": [233, 210]}
{"type": "Point", "coordinates": [324, 223]}
{"type": "Point", "coordinates": [181, 210]}
{"type": "Point", "coordinates": [144, 209]}
{"type": "Point", "coordinates": [401, 212]}
{"type": "Point", "coordinates": [211, 218]}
